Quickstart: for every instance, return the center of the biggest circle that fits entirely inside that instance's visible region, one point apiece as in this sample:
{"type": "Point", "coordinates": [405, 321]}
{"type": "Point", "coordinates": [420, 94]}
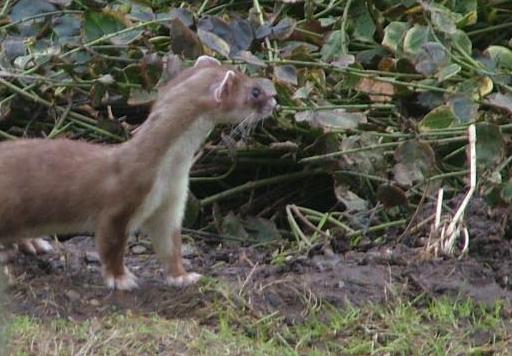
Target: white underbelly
{"type": "Point", "coordinates": [168, 190]}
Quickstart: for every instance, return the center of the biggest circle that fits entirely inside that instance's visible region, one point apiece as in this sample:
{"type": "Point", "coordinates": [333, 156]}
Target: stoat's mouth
{"type": "Point", "coordinates": [268, 108]}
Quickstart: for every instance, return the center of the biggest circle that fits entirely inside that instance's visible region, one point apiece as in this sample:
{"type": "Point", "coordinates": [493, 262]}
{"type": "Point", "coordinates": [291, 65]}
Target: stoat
{"type": "Point", "coordinates": [66, 186]}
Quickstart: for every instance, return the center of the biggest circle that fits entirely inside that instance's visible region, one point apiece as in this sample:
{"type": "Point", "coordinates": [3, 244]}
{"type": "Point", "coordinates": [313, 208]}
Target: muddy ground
{"type": "Point", "coordinates": [68, 283]}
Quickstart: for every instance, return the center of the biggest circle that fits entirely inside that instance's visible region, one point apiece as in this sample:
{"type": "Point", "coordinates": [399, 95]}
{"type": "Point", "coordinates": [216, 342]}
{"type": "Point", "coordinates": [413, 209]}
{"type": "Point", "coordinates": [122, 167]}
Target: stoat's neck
{"type": "Point", "coordinates": [176, 119]}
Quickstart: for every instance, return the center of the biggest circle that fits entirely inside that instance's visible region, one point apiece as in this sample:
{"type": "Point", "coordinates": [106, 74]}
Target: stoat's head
{"type": "Point", "coordinates": [233, 96]}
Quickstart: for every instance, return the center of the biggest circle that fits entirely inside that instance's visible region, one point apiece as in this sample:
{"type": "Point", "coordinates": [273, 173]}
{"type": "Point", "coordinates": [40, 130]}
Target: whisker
{"type": "Point", "coordinates": [244, 128]}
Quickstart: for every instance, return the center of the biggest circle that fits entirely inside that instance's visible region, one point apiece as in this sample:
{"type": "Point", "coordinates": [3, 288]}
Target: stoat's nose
{"type": "Point", "coordinates": [270, 106]}
{"type": "Point", "coordinates": [273, 103]}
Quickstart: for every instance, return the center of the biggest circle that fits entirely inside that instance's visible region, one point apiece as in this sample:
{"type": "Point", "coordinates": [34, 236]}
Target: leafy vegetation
{"type": "Point", "coordinates": [375, 99]}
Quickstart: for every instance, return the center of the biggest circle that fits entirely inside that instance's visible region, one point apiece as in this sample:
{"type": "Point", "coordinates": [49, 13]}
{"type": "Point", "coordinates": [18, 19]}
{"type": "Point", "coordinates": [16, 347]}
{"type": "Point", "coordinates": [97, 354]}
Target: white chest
{"type": "Point", "coordinates": [170, 186]}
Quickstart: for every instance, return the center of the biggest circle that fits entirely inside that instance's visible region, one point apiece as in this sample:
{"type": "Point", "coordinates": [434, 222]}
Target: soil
{"type": "Point", "coordinates": [68, 283]}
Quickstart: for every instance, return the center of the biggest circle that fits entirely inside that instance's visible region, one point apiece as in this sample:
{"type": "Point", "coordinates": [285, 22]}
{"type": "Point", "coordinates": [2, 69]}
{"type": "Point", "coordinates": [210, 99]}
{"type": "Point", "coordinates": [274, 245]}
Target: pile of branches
{"type": "Point", "coordinates": [376, 97]}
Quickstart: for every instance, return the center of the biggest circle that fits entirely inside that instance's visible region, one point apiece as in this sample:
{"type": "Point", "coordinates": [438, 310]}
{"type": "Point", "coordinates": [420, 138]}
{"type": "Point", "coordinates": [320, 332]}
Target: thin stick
{"type": "Point", "coordinates": [472, 158]}
{"type": "Point", "coordinates": [257, 184]}
{"type": "Point", "coordinates": [439, 206]}
{"type": "Point", "coordinates": [80, 119]}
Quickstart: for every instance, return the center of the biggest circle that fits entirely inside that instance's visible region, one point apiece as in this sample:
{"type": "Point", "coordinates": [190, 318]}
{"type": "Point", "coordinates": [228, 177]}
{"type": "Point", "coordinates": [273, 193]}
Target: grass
{"type": "Point", "coordinates": [436, 328]}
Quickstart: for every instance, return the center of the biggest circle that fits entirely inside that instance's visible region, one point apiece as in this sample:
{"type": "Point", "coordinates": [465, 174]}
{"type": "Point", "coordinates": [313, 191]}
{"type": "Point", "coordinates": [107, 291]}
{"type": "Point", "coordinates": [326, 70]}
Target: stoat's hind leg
{"type": "Point", "coordinates": [111, 237]}
{"type": "Point", "coordinates": [36, 246]}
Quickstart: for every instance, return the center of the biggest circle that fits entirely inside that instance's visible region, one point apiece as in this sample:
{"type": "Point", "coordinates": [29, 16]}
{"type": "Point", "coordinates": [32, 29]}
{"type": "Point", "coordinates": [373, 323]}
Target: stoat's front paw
{"type": "Point", "coordinates": [125, 281]}
{"type": "Point", "coordinates": [184, 280]}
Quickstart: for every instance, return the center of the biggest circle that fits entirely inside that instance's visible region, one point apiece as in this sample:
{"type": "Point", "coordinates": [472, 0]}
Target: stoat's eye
{"type": "Point", "coordinates": [255, 92]}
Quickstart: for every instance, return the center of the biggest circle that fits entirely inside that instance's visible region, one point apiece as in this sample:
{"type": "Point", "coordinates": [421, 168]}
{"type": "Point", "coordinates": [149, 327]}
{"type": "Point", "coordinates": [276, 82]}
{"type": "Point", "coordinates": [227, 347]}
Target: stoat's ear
{"type": "Point", "coordinates": [173, 67]}
{"type": "Point", "coordinates": [225, 87]}
{"type": "Point", "coordinates": [206, 61]}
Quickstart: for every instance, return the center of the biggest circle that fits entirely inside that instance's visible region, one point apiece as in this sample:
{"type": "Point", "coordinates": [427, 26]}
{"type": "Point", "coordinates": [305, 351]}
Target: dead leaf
{"type": "Point", "coordinates": [184, 41]}
{"type": "Point", "coordinates": [377, 91]}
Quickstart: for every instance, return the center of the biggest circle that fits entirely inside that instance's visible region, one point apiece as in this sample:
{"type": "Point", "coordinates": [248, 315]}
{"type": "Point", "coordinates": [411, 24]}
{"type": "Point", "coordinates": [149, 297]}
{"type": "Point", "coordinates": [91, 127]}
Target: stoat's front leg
{"type": "Point", "coordinates": [164, 230]}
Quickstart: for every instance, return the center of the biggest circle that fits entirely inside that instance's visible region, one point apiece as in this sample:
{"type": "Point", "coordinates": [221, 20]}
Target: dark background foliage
{"type": "Point", "coordinates": [375, 101]}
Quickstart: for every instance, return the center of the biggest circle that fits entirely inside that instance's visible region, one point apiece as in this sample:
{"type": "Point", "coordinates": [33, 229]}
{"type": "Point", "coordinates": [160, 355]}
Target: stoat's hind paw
{"type": "Point", "coordinates": [35, 246]}
{"type": "Point", "coordinates": [126, 281]}
{"type": "Point", "coordinates": [29, 246]}
{"type": "Point", "coordinates": [184, 280]}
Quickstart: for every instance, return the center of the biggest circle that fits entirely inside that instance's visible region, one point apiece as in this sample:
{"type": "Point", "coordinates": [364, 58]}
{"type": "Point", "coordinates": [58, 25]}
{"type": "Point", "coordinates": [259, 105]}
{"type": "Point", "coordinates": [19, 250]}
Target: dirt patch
{"type": "Point", "coordinates": [68, 284]}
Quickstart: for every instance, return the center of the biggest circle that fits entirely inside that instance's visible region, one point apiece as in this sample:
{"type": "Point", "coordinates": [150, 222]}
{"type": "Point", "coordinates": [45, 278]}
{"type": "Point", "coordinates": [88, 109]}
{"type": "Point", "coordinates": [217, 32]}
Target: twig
{"type": "Point", "coordinates": [343, 28]}
{"type": "Point", "coordinates": [297, 231]}
{"type": "Point", "coordinates": [443, 235]}
{"type": "Point", "coordinates": [506, 25]}
{"type": "Point", "coordinates": [294, 209]}
{"type": "Point", "coordinates": [452, 231]}
{"type": "Point", "coordinates": [259, 183]}
{"type": "Point", "coordinates": [373, 147]}
{"type": "Point", "coordinates": [253, 269]}
{"type": "Point", "coordinates": [114, 34]}
{"type": "Point", "coordinates": [257, 6]}
{"type": "Point", "coordinates": [341, 106]}
{"type": "Point", "coordinates": [80, 119]}
{"type": "Point", "coordinates": [44, 14]}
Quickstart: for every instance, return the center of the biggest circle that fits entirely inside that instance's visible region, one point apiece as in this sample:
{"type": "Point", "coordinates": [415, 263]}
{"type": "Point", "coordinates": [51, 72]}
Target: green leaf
{"type": "Point", "coordinates": [415, 38]}
{"type": "Point", "coordinates": [328, 21]}
{"type": "Point", "coordinates": [364, 26]}
{"type": "Point", "coordinates": [393, 35]}
{"type": "Point", "coordinates": [99, 24]}
{"type": "Point", "coordinates": [468, 10]}
{"type": "Point", "coordinates": [282, 30]}
{"type": "Point", "coordinates": [501, 55]}
{"type": "Point", "coordinates": [67, 28]}
{"type": "Point", "coordinates": [439, 118]}
{"type": "Point", "coordinates": [431, 58]}
{"type": "Point", "coordinates": [448, 72]}
{"type": "Point", "coordinates": [214, 42]}
{"type": "Point", "coordinates": [332, 120]}
{"type": "Point", "coordinates": [232, 225]}
{"type": "Point", "coordinates": [462, 42]}
{"type": "Point", "coordinates": [464, 108]}
{"type": "Point", "coordinates": [12, 48]}
{"type": "Point", "coordinates": [444, 20]}
{"type": "Point", "coordinates": [414, 151]}
{"type": "Point", "coordinates": [262, 229]}
{"type": "Point", "coordinates": [350, 199]}
{"type": "Point", "coordinates": [286, 73]}
{"type": "Point", "coordinates": [490, 145]}
{"type": "Point", "coordinates": [415, 161]}
{"type": "Point", "coordinates": [332, 48]}
{"type": "Point", "coordinates": [249, 58]}
{"type": "Point", "coordinates": [27, 8]}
